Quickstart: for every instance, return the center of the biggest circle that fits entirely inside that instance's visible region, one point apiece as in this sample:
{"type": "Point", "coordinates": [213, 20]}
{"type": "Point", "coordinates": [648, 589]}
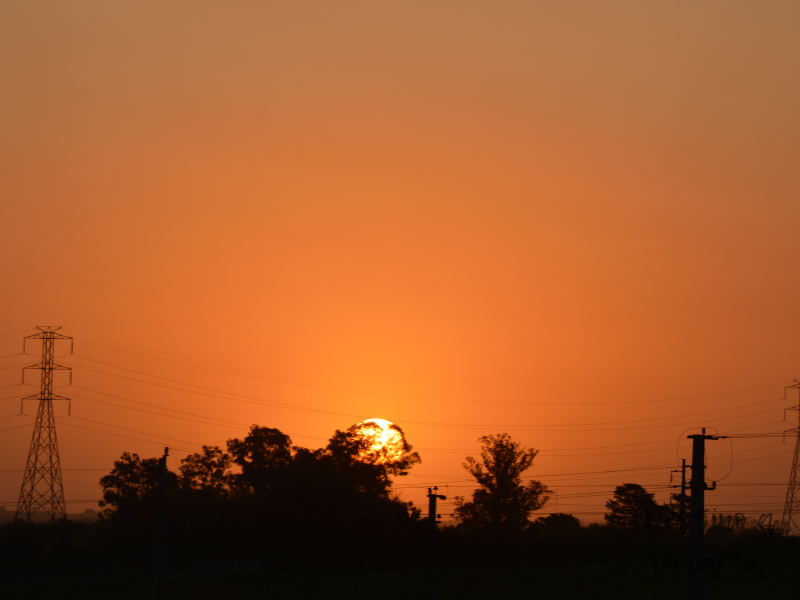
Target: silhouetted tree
{"type": "Point", "coordinates": [263, 456]}
{"type": "Point", "coordinates": [130, 490]}
{"type": "Point", "coordinates": [674, 518]}
{"type": "Point", "coordinates": [633, 508]}
{"type": "Point", "coordinates": [558, 521]}
{"type": "Point", "coordinates": [351, 452]}
{"type": "Point", "coordinates": [502, 501]}
{"type": "Point", "coordinates": [268, 498]}
{"type": "Point", "coordinates": [207, 471]}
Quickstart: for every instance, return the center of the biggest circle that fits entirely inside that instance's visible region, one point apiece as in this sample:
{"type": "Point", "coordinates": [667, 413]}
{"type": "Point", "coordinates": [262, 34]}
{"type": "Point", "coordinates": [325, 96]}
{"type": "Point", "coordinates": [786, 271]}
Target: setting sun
{"type": "Point", "coordinates": [386, 440]}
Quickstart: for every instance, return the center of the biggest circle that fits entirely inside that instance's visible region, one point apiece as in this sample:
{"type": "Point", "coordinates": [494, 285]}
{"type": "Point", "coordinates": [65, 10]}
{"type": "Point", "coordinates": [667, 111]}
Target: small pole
{"type": "Point", "coordinates": [681, 528]}
{"type": "Point", "coordinates": [162, 493]}
{"type": "Point", "coordinates": [432, 520]}
{"type": "Point", "coordinates": [683, 494]}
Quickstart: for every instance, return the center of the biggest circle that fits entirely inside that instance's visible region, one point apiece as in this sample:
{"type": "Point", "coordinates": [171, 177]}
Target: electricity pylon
{"type": "Point", "coordinates": [42, 488]}
{"type": "Point", "coordinates": [792, 506]}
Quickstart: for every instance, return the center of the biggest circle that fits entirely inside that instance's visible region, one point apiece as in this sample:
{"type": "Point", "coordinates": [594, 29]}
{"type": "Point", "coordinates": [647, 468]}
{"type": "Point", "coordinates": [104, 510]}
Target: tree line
{"type": "Point", "coordinates": [267, 478]}
{"type": "Point", "coordinates": [263, 498]}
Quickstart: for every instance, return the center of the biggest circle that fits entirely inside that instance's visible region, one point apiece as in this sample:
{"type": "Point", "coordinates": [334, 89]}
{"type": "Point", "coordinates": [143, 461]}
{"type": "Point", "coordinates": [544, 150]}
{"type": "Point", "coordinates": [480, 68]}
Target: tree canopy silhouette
{"type": "Point", "coordinates": [130, 490]}
{"type": "Point", "coordinates": [208, 471]}
{"type": "Point", "coordinates": [632, 507]}
{"type": "Point", "coordinates": [503, 501]}
{"type": "Point", "coordinates": [264, 456]}
{"type": "Point", "coordinates": [677, 511]}
{"type": "Point", "coordinates": [559, 521]}
{"type": "Point", "coordinates": [353, 453]}
{"type": "Point", "coordinates": [315, 502]}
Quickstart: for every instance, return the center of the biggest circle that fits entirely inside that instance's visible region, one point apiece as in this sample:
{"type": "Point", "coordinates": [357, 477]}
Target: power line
{"type": "Point", "coordinates": [237, 425]}
{"type": "Point", "coordinates": [750, 484]}
{"type": "Point", "coordinates": [126, 436]}
{"type": "Point", "coordinates": [255, 400]}
{"type": "Point", "coordinates": [17, 427]}
{"type": "Point", "coordinates": [17, 397]}
{"type": "Point", "coordinates": [193, 443]}
{"type": "Point", "coordinates": [306, 383]}
{"type": "Point", "coordinates": [222, 423]}
{"type": "Point", "coordinates": [29, 330]}
{"type": "Point", "coordinates": [240, 398]}
{"type": "Point", "coordinates": [67, 501]}
{"type": "Point", "coordinates": [756, 426]}
{"type": "Point", "coordinates": [446, 450]}
{"type": "Point", "coordinates": [136, 431]}
{"type": "Point", "coordinates": [303, 383]}
{"type": "Point", "coordinates": [562, 449]}
{"type": "Point", "coordinates": [63, 470]}
{"type": "Point", "coordinates": [748, 496]}
{"type": "Point", "coordinates": [152, 412]}
{"type": "Point", "coordinates": [14, 366]}
{"type": "Point", "coordinates": [296, 435]}
{"type": "Point", "coordinates": [147, 404]}
{"type": "Point", "coordinates": [230, 424]}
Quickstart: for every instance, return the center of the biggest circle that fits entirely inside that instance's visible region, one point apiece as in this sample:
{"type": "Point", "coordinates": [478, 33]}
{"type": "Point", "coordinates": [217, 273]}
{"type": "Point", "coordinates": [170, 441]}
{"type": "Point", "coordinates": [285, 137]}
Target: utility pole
{"type": "Point", "coordinates": [682, 507]}
{"type": "Point", "coordinates": [697, 512]}
{"type": "Point", "coordinates": [792, 505]}
{"type": "Point", "coordinates": [162, 493]}
{"type": "Point", "coordinates": [432, 521]}
{"type": "Point", "coordinates": [42, 486]}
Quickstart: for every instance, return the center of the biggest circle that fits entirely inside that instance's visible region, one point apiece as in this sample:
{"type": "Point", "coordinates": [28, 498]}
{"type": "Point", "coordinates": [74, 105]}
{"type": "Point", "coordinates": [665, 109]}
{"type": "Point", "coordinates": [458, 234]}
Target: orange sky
{"type": "Point", "coordinates": [426, 202]}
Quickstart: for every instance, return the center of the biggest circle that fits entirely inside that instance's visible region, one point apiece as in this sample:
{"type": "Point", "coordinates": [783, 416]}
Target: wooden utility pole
{"type": "Point", "coordinates": [697, 513]}
{"type": "Point", "coordinates": [432, 521]}
{"type": "Point", "coordinates": [682, 508]}
{"type": "Point", "coordinates": [162, 494]}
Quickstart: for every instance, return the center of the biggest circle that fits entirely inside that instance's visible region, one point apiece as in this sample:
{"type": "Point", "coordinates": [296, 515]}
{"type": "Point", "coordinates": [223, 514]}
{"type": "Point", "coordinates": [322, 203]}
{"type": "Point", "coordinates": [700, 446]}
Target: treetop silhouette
{"type": "Point", "coordinates": [503, 501]}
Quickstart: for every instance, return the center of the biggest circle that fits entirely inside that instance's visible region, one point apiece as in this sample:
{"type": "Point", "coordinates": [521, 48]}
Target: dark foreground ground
{"type": "Point", "coordinates": [779, 579]}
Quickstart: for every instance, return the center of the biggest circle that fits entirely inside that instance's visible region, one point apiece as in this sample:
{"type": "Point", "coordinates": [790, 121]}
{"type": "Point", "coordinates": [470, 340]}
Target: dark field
{"type": "Point", "coordinates": [619, 581]}
{"type": "Point", "coordinates": [105, 561]}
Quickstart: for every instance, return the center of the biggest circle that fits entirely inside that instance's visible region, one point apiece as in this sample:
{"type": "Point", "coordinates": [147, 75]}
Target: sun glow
{"type": "Point", "coordinates": [385, 440]}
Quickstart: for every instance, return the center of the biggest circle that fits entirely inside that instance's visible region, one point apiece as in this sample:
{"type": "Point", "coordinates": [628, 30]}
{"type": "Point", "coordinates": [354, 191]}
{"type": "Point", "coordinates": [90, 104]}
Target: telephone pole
{"type": "Point", "coordinates": [682, 515]}
{"type": "Point", "coordinates": [42, 487]}
{"type": "Point", "coordinates": [792, 505]}
{"type": "Point", "coordinates": [697, 511]}
{"type": "Point", "coordinates": [162, 495]}
{"type": "Point", "coordinates": [433, 519]}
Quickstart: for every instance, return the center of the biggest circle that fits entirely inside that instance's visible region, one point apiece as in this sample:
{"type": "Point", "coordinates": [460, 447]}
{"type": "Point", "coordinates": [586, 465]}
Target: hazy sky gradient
{"type": "Point", "coordinates": [528, 202]}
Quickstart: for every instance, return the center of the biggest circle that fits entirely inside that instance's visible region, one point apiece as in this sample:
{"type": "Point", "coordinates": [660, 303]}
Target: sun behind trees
{"type": "Point", "coordinates": [502, 502]}
{"type": "Point", "coordinates": [265, 463]}
{"type": "Point", "coordinates": [265, 496]}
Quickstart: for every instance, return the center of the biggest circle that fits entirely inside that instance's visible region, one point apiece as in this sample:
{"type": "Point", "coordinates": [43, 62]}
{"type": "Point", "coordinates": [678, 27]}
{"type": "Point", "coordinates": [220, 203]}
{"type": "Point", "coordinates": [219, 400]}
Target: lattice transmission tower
{"type": "Point", "coordinates": [42, 487]}
{"type": "Point", "coordinates": [791, 510]}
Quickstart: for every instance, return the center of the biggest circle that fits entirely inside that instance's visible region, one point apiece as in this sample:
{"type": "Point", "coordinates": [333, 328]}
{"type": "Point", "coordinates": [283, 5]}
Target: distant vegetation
{"type": "Point", "coordinates": [263, 503]}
